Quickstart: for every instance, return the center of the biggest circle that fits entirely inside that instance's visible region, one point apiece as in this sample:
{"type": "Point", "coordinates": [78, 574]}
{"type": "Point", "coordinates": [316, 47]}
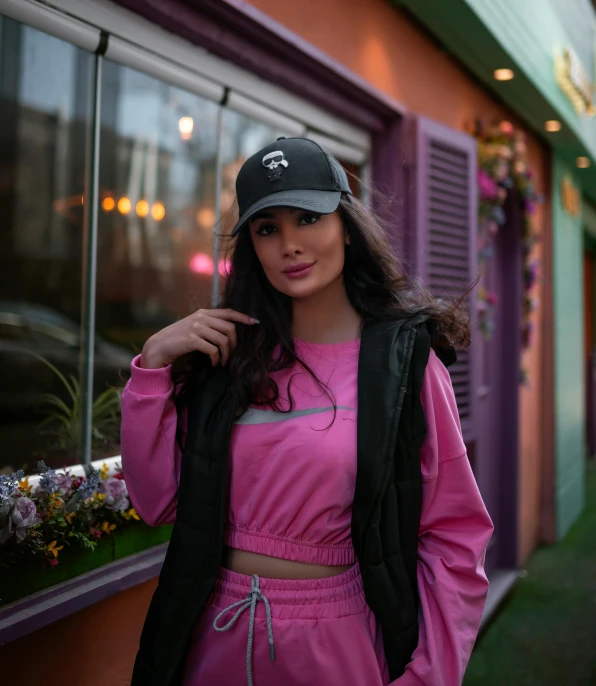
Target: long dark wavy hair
{"type": "Point", "coordinates": [376, 286]}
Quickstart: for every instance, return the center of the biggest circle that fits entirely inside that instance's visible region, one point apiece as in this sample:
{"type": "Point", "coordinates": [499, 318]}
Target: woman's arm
{"type": "Point", "coordinates": [150, 452]}
{"type": "Point", "coordinates": [454, 531]}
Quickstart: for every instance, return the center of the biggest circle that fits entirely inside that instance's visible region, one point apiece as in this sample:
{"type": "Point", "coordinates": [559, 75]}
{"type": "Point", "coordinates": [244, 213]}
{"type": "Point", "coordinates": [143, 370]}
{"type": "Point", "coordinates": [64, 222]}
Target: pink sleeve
{"type": "Point", "coordinates": [454, 531]}
{"type": "Point", "coordinates": [150, 452]}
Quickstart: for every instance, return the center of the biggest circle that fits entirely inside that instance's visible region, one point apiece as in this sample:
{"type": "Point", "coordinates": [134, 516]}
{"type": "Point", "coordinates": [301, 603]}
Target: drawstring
{"type": "Point", "coordinates": [251, 601]}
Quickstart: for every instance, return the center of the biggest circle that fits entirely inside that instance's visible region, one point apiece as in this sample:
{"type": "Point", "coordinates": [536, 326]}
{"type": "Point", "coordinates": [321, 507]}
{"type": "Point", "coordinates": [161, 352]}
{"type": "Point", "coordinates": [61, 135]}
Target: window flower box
{"type": "Point", "coordinates": [62, 524]}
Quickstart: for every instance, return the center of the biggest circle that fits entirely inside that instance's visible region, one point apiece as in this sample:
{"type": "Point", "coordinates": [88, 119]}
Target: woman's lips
{"type": "Point", "coordinates": [298, 271]}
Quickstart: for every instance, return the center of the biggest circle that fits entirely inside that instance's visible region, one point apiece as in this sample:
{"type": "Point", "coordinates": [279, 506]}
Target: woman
{"type": "Point", "coordinates": [306, 444]}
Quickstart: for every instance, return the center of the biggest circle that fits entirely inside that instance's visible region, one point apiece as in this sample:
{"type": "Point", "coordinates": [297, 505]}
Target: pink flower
{"type": "Point", "coordinates": [506, 127]}
{"type": "Point", "coordinates": [519, 167]}
{"type": "Point", "coordinates": [23, 516]}
{"type": "Point", "coordinates": [116, 493]}
{"type": "Point", "coordinates": [488, 188]}
{"type": "Point", "coordinates": [491, 298]}
{"type": "Point", "coordinates": [63, 482]}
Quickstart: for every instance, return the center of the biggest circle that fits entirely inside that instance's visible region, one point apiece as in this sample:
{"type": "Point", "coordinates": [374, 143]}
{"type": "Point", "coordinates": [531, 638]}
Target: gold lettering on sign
{"type": "Point", "coordinates": [570, 197]}
{"type": "Point", "coordinates": [574, 81]}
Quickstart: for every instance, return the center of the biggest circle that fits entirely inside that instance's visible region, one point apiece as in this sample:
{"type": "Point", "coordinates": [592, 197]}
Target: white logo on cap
{"type": "Point", "coordinates": [272, 161]}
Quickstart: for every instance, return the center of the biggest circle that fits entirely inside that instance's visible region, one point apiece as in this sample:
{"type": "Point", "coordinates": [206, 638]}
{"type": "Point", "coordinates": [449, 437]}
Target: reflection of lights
{"type": "Point", "coordinates": [158, 211]}
{"type": "Point", "coordinates": [142, 208]}
{"type": "Point", "coordinates": [186, 126]}
{"type": "Point", "coordinates": [583, 162]}
{"type": "Point", "coordinates": [62, 204]}
{"type": "Point", "coordinates": [224, 267]}
{"type": "Point", "coordinates": [124, 205]}
{"type": "Point", "coordinates": [201, 264]}
{"type": "Point", "coordinates": [82, 199]}
{"type": "Point", "coordinates": [108, 204]}
{"type": "Point", "coordinates": [206, 218]}
{"type": "Point", "coordinates": [503, 74]}
{"type": "Point", "coordinates": [552, 125]}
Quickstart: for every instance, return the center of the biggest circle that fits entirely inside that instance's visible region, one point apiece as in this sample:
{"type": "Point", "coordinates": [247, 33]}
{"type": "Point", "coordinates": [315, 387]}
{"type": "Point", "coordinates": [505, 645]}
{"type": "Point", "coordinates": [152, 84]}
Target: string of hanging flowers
{"type": "Point", "coordinates": [503, 166]}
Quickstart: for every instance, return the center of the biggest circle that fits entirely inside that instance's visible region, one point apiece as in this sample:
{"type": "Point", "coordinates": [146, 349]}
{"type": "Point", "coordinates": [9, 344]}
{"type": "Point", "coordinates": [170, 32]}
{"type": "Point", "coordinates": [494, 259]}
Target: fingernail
{"type": "Point", "coordinates": [254, 321]}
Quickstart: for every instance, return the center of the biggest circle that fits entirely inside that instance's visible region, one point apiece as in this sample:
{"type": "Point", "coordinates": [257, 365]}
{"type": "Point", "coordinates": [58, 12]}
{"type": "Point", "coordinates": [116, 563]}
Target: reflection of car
{"type": "Point", "coordinates": [28, 330]}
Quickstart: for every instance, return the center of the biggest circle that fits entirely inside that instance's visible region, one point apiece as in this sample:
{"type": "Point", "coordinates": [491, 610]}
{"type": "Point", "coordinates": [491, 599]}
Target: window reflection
{"type": "Point", "coordinates": [242, 137]}
{"type": "Point", "coordinates": [44, 119]}
{"type": "Point", "coordinates": [157, 207]}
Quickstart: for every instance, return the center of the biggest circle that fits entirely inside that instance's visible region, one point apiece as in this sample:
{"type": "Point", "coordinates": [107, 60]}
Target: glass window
{"type": "Point", "coordinates": [158, 155]}
{"type": "Point", "coordinates": [242, 137]}
{"type": "Point", "coordinates": [45, 117]}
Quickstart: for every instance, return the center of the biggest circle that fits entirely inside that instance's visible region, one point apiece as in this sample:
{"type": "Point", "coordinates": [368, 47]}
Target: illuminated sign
{"type": "Point", "coordinates": [574, 81]}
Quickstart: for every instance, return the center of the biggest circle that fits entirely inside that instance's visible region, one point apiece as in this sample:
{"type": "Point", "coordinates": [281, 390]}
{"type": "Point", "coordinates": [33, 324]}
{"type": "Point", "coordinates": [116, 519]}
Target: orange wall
{"type": "Point", "coordinates": [385, 47]}
{"type": "Point", "coordinates": [93, 647]}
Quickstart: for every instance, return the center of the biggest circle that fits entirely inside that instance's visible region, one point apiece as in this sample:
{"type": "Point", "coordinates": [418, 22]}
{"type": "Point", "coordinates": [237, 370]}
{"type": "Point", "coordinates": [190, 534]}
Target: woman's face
{"type": "Point", "coordinates": [301, 253]}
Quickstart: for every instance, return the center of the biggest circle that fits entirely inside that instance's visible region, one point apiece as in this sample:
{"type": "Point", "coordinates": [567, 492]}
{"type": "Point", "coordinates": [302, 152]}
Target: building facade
{"type": "Point", "coordinates": [122, 162]}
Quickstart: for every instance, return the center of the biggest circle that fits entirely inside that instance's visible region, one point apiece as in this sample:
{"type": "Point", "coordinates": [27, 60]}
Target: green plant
{"type": "Point", "coordinates": [63, 418]}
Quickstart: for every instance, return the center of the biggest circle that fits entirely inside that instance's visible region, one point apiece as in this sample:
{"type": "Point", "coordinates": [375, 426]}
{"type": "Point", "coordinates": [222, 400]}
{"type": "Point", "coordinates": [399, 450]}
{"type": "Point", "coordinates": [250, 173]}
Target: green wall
{"type": "Point", "coordinates": [570, 448]}
{"type": "Point", "coordinates": [531, 31]}
{"type": "Point", "coordinates": [523, 35]}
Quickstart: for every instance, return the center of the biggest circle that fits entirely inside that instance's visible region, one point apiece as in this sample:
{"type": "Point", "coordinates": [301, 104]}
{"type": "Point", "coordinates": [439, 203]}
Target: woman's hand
{"type": "Point", "coordinates": [213, 332]}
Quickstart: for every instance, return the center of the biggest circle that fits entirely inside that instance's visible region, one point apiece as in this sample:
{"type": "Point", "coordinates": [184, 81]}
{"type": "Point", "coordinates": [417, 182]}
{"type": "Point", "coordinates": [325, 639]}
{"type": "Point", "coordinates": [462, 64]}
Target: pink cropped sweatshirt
{"type": "Point", "coordinates": [292, 481]}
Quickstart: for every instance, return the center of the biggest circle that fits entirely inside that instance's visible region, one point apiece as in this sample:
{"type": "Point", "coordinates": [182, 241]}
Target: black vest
{"type": "Point", "coordinates": [385, 517]}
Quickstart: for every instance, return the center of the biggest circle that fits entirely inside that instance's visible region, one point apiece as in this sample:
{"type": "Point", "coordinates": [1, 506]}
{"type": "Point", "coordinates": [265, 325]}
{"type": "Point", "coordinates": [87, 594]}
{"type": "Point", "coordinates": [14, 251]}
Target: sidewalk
{"type": "Point", "coordinates": [545, 634]}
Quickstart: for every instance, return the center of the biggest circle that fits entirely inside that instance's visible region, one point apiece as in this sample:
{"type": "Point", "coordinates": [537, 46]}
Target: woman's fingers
{"type": "Point", "coordinates": [231, 315]}
{"type": "Point", "coordinates": [209, 349]}
{"type": "Point", "coordinates": [225, 327]}
{"type": "Point", "coordinates": [215, 337]}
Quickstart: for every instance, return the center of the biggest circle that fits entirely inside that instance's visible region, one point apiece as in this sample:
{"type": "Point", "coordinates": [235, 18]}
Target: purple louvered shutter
{"type": "Point", "coordinates": [441, 221]}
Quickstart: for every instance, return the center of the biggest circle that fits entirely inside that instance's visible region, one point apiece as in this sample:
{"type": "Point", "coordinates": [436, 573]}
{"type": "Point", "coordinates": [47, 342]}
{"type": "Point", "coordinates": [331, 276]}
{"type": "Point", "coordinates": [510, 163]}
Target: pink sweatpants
{"type": "Point", "coordinates": [322, 629]}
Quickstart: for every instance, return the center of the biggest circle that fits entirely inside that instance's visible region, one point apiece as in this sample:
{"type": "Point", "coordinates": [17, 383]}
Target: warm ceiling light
{"type": "Point", "coordinates": [158, 211]}
{"type": "Point", "coordinates": [142, 208]}
{"type": "Point", "coordinates": [583, 162]}
{"type": "Point", "coordinates": [552, 125]}
{"type": "Point", "coordinates": [124, 205]}
{"type": "Point", "coordinates": [186, 126]}
{"type": "Point", "coordinates": [108, 204]}
{"type": "Point", "coordinates": [503, 74]}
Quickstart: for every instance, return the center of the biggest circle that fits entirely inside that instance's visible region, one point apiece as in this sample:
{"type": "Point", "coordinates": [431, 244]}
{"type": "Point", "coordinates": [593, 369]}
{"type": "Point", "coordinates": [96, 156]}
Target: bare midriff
{"type": "Point", "coordinates": [243, 562]}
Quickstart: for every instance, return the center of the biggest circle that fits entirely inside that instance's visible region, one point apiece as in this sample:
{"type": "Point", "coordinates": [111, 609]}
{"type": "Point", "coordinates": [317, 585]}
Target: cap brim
{"type": "Point", "coordinates": [321, 202]}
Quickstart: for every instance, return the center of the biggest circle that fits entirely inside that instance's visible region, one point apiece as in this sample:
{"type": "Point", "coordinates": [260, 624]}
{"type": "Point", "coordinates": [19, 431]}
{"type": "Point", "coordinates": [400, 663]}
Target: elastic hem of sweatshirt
{"type": "Point", "coordinates": [150, 381]}
{"type": "Point", "coordinates": [289, 548]}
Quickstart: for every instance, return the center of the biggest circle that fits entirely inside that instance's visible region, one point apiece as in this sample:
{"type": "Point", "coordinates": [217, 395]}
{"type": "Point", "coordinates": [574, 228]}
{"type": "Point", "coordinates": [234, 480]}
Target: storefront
{"type": "Point", "coordinates": [125, 125]}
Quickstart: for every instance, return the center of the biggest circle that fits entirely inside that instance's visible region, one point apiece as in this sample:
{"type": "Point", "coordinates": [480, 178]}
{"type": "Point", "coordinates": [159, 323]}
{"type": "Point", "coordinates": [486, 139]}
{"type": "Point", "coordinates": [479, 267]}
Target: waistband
{"type": "Point", "coordinates": [331, 597]}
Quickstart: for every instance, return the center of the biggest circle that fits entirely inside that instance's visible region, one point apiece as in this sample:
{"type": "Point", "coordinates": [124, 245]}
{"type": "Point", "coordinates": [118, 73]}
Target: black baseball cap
{"type": "Point", "coordinates": [291, 172]}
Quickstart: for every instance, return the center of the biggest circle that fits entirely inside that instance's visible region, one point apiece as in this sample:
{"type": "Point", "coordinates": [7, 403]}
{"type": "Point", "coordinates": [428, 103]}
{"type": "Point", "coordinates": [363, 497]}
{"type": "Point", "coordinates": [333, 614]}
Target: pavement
{"type": "Point", "coordinates": [545, 632]}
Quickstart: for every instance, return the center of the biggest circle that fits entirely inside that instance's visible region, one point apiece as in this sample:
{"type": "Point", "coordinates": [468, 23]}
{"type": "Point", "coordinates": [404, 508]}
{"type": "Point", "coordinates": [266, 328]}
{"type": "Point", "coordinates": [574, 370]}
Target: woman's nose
{"type": "Point", "coordinates": [290, 243]}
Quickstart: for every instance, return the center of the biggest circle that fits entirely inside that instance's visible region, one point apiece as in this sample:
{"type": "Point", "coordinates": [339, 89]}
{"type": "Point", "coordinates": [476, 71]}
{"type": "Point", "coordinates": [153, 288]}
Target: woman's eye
{"type": "Point", "coordinates": [265, 230]}
{"type": "Point", "coordinates": [310, 218]}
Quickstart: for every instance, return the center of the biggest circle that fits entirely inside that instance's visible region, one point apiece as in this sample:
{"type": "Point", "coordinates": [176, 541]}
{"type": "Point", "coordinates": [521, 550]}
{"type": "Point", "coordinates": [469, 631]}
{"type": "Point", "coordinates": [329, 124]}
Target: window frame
{"type": "Point", "coordinates": [99, 27]}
